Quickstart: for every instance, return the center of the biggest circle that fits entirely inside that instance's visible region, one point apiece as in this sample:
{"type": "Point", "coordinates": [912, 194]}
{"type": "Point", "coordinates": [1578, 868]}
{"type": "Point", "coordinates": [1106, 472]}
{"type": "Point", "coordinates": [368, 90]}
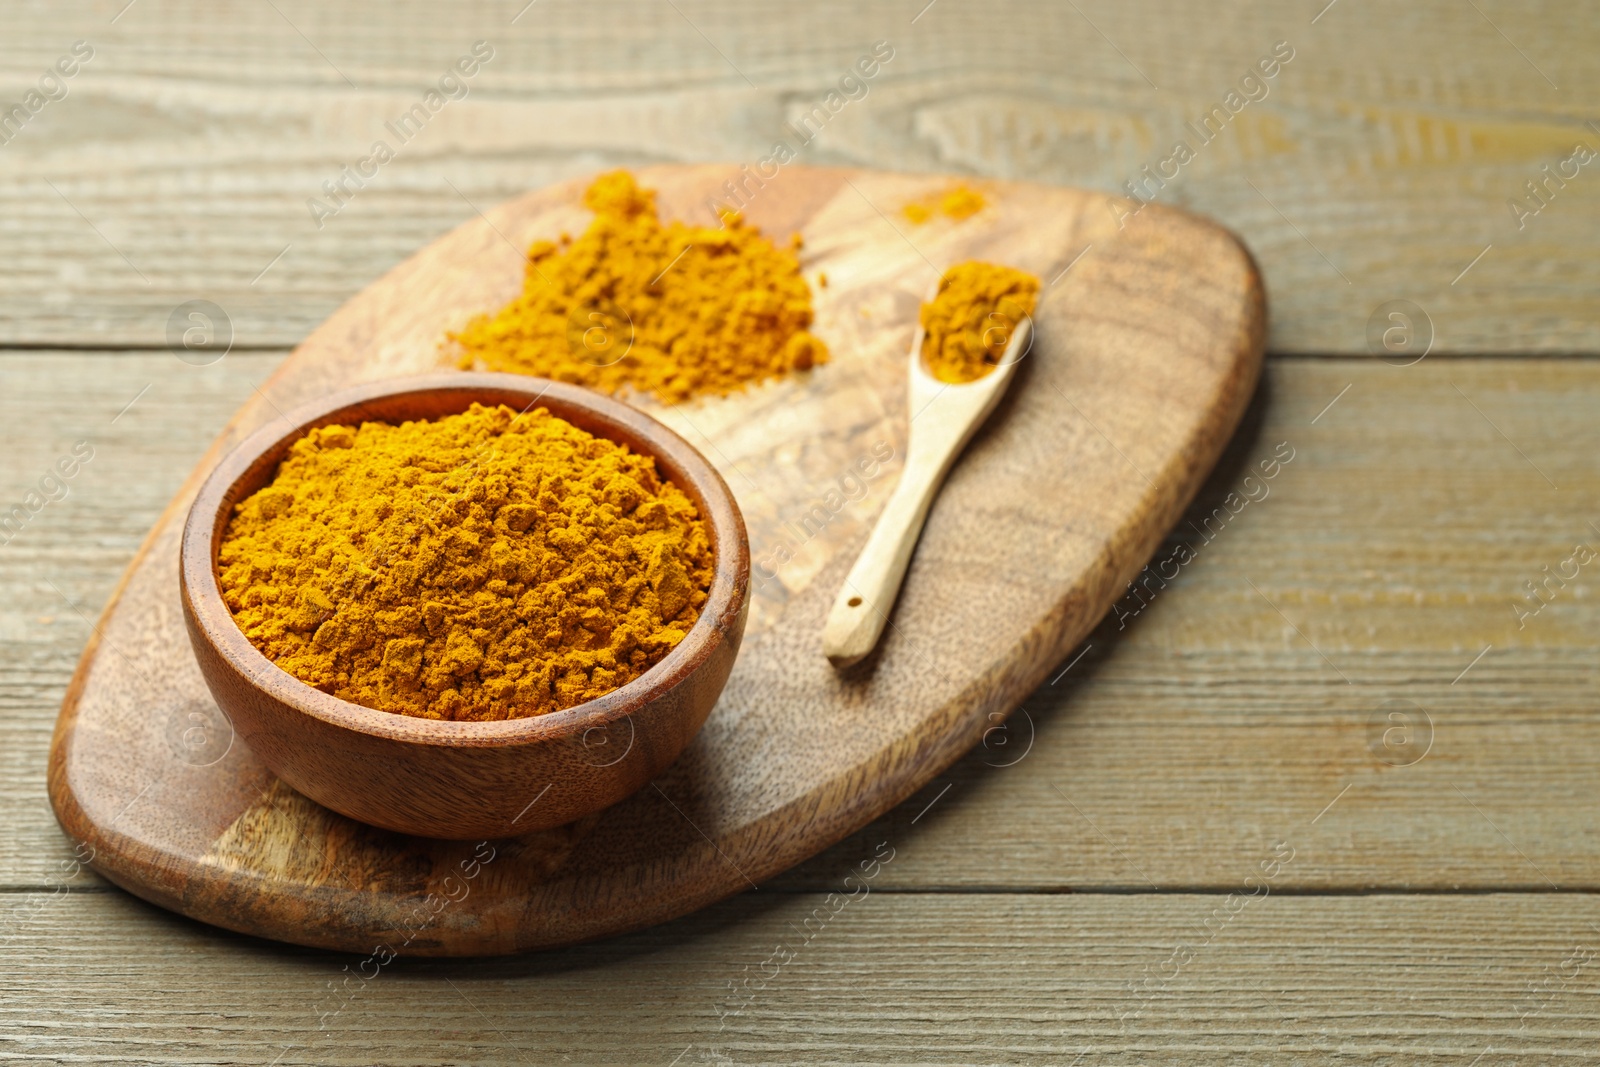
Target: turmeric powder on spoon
{"type": "Point", "coordinates": [969, 322]}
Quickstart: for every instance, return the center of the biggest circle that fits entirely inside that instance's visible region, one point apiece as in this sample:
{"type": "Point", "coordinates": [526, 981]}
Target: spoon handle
{"type": "Point", "coordinates": [943, 419]}
{"type": "Point", "coordinates": [861, 610]}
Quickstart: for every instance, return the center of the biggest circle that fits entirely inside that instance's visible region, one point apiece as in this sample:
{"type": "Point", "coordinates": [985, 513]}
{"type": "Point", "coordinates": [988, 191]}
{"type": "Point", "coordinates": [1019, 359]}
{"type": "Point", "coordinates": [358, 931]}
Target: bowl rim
{"type": "Point", "coordinates": [685, 467]}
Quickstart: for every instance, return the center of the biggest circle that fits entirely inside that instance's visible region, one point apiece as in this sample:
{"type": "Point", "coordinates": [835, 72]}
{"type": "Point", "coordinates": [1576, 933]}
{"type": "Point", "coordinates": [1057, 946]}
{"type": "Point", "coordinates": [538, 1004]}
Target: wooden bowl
{"type": "Point", "coordinates": [465, 780]}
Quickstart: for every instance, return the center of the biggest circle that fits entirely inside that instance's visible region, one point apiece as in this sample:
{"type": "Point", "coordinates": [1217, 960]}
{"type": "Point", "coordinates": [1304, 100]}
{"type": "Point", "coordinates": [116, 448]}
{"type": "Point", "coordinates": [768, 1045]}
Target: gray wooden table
{"type": "Point", "coordinates": [1329, 796]}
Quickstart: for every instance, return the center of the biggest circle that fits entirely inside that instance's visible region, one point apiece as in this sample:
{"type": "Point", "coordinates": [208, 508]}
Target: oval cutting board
{"type": "Point", "coordinates": [1149, 341]}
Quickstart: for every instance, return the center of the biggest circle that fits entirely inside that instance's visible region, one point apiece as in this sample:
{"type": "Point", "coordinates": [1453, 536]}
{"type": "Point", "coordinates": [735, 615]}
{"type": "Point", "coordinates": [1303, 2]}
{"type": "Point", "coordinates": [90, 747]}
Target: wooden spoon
{"type": "Point", "coordinates": [943, 419]}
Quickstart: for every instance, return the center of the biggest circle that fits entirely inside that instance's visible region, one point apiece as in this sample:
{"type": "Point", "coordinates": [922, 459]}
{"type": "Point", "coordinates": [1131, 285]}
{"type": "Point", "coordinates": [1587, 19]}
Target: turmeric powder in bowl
{"type": "Point", "coordinates": [969, 322]}
{"type": "Point", "coordinates": [485, 565]}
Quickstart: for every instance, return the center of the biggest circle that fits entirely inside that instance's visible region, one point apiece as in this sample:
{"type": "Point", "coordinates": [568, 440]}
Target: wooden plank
{"type": "Point", "coordinates": [1377, 168]}
{"type": "Point", "coordinates": [148, 418]}
{"type": "Point", "coordinates": [1397, 540]}
{"type": "Point", "coordinates": [1386, 566]}
{"type": "Point", "coordinates": [881, 979]}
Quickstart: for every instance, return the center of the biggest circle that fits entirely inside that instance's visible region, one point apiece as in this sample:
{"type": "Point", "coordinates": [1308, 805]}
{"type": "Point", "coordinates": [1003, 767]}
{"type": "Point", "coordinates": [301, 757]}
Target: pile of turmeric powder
{"type": "Point", "coordinates": [969, 322]}
{"type": "Point", "coordinates": [958, 202]}
{"type": "Point", "coordinates": [486, 565]}
{"type": "Point", "coordinates": [665, 309]}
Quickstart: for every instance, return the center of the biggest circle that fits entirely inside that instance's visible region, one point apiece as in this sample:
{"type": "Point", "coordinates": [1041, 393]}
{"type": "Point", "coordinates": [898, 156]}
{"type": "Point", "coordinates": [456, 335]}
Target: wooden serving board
{"type": "Point", "coordinates": [1148, 346]}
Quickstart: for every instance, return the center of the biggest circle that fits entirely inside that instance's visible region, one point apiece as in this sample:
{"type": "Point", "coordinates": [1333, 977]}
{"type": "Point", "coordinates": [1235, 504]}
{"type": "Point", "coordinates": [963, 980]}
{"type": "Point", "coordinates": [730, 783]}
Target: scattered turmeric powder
{"type": "Point", "coordinates": [665, 309]}
{"type": "Point", "coordinates": [486, 565]}
{"type": "Point", "coordinates": [958, 202]}
{"type": "Point", "coordinates": [969, 322]}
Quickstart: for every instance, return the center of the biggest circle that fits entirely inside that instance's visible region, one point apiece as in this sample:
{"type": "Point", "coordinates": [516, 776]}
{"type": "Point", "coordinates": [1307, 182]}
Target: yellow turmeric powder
{"type": "Point", "coordinates": [969, 322]}
{"type": "Point", "coordinates": [958, 202]}
{"type": "Point", "coordinates": [486, 565]}
{"type": "Point", "coordinates": [665, 309]}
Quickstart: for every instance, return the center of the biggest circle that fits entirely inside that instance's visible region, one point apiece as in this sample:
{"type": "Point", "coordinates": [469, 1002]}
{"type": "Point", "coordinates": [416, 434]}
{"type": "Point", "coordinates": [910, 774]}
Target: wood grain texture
{"type": "Point", "coordinates": [1155, 341]}
{"type": "Point", "coordinates": [1378, 167]}
{"type": "Point", "coordinates": [887, 979]}
{"type": "Point", "coordinates": [1193, 737]}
